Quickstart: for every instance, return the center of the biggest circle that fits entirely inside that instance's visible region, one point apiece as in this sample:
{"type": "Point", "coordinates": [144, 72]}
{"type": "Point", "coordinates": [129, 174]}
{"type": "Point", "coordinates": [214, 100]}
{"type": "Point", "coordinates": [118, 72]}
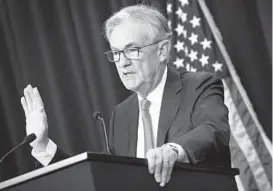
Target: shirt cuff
{"type": "Point", "coordinates": [182, 155]}
{"type": "Point", "coordinates": [46, 156]}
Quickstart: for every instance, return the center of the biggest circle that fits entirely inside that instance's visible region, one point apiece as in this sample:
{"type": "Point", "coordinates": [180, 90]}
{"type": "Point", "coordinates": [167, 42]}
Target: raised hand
{"type": "Point", "coordinates": [36, 119]}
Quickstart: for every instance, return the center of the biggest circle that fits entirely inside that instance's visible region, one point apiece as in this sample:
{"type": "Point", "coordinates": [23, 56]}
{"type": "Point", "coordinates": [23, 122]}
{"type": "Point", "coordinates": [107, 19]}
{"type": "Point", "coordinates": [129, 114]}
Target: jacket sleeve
{"type": "Point", "coordinates": [209, 118]}
{"type": "Point", "coordinates": [59, 155]}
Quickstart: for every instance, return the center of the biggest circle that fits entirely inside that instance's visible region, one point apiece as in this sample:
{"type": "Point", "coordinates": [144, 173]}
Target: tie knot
{"type": "Point", "coordinates": [145, 104]}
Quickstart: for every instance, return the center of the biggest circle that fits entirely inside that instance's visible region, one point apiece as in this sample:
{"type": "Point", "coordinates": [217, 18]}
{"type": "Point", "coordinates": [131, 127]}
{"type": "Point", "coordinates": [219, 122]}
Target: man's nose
{"type": "Point", "coordinates": [123, 61]}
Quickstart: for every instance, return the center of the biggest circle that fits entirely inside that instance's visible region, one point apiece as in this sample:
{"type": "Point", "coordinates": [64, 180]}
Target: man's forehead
{"type": "Point", "coordinates": [128, 34]}
{"type": "Point", "coordinates": [126, 45]}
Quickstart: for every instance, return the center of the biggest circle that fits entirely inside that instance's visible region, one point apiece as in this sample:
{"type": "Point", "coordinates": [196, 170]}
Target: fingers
{"type": "Point", "coordinates": [158, 165]}
{"type": "Point", "coordinates": [166, 166]}
{"type": "Point", "coordinates": [154, 158]}
{"type": "Point", "coordinates": [151, 160]}
{"type": "Point", "coordinates": [37, 100]}
{"type": "Point", "coordinates": [31, 100]}
{"type": "Point", "coordinates": [28, 98]}
{"type": "Point", "coordinates": [24, 104]}
{"type": "Point", "coordinates": [173, 158]}
{"type": "Point", "coordinates": [161, 162]}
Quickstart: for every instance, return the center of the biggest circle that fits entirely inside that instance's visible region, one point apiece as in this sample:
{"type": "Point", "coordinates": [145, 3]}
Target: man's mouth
{"type": "Point", "coordinates": [127, 74]}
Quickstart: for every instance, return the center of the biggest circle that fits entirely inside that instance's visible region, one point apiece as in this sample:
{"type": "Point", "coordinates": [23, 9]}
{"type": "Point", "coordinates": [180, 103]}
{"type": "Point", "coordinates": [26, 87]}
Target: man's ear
{"type": "Point", "coordinates": [163, 50]}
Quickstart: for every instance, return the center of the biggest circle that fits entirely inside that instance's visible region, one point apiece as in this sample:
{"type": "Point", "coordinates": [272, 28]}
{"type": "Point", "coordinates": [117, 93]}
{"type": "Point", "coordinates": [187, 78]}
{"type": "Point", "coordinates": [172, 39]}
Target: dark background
{"type": "Point", "coordinates": [58, 47]}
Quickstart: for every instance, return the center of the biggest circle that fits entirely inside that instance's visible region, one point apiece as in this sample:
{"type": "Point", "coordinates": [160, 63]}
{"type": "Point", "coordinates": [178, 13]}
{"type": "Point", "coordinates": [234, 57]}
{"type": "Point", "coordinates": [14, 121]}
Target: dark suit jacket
{"type": "Point", "coordinates": [192, 114]}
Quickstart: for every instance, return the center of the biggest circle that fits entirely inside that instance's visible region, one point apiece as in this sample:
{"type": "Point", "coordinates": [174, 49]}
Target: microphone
{"type": "Point", "coordinates": [28, 139]}
{"type": "Point", "coordinates": [98, 116]}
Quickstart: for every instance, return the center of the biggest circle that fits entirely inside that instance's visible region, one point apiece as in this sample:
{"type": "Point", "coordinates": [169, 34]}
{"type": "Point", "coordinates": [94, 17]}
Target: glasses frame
{"type": "Point", "coordinates": [137, 48]}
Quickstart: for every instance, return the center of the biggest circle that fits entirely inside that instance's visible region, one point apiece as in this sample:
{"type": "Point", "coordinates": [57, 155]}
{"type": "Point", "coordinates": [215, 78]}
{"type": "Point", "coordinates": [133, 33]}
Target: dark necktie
{"type": "Point", "coordinates": [147, 124]}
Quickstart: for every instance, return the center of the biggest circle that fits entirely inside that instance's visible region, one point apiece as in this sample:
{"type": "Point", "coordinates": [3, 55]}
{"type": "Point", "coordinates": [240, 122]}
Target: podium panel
{"type": "Point", "coordinates": [95, 172]}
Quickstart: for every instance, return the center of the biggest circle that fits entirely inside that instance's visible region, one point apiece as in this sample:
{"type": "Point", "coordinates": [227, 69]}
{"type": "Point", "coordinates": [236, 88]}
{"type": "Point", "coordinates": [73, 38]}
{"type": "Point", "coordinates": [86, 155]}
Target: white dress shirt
{"type": "Point", "coordinates": [155, 97]}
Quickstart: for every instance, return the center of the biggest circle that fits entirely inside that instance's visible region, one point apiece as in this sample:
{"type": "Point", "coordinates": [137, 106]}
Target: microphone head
{"type": "Point", "coordinates": [97, 115]}
{"type": "Point", "coordinates": [31, 137]}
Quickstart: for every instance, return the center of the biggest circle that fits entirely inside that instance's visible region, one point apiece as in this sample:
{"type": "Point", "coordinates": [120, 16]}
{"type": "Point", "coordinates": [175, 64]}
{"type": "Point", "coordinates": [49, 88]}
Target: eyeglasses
{"type": "Point", "coordinates": [131, 53]}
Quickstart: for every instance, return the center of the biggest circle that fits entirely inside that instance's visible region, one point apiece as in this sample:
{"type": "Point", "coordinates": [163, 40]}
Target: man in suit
{"type": "Point", "coordinates": [170, 117]}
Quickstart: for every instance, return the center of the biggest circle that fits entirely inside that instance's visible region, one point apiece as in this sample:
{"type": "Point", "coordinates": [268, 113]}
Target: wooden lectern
{"type": "Point", "coordinates": [98, 172]}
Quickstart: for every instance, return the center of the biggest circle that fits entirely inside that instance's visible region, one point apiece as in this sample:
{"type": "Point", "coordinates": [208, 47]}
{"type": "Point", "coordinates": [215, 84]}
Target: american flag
{"type": "Point", "coordinates": [195, 48]}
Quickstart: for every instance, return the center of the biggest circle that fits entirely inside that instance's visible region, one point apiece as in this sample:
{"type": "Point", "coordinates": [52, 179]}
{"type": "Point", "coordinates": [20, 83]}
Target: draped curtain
{"type": "Point", "coordinates": [57, 46]}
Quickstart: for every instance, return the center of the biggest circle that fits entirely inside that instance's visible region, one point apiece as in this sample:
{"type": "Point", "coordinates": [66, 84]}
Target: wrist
{"type": "Point", "coordinates": [172, 147]}
{"type": "Point", "coordinates": [40, 146]}
{"type": "Point", "coordinates": [181, 154]}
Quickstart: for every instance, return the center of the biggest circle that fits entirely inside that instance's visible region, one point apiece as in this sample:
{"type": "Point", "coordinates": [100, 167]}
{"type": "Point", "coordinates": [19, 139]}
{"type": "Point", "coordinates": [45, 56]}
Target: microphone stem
{"type": "Point", "coordinates": [105, 135]}
{"type": "Point", "coordinates": [1, 160]}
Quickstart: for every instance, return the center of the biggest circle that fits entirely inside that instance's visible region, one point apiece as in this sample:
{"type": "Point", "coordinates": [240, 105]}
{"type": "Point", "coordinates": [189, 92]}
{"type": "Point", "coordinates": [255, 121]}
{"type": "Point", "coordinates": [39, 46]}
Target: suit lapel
{"type": "Point", "coordinates": [132, 124]}
{"type": "Point", "coordinates": [170, 104]}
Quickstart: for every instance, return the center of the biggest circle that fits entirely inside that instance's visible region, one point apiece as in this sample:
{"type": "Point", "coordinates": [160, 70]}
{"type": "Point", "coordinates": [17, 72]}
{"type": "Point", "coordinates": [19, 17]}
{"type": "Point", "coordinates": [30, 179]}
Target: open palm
{"type": "Point", "coordinates": [36, 119]}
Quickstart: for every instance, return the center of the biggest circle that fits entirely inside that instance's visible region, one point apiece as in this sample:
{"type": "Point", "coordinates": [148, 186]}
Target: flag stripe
{"type": "Point", "coordinates": [251, 130]}
{"type": "Point", "coordinates": [240, 135]}
{"type": "Point", "coordinates": [245, 180]}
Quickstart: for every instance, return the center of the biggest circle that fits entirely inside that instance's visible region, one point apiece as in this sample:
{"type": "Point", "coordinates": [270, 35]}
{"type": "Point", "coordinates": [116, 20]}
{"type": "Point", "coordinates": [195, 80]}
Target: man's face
{"type": "Point", "coordinates": [136, 75]}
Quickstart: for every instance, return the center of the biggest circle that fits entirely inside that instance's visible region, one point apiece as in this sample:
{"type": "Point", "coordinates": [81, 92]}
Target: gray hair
{"type": "Point", "coordinates": [144, 13]}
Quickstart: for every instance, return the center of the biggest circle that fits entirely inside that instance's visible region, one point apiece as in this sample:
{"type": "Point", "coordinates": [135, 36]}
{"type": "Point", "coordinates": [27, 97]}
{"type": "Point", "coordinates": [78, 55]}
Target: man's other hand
{"type": "Point", "coordinates": [36, 119]}
{"type": "Point", "coordinates": [160, 163]}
